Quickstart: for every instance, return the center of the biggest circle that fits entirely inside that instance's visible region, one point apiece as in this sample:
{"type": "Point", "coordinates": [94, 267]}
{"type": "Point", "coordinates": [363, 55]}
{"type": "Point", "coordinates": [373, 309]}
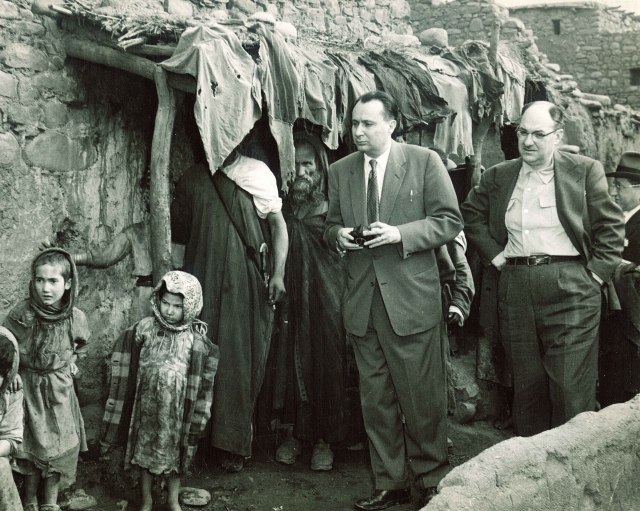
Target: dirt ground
{"type": "Point", "coordinates": [266, 485]}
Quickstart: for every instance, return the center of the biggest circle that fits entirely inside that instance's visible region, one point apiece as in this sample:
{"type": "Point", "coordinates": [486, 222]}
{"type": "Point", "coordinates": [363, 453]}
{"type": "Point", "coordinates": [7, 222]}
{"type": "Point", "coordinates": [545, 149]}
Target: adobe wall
{"type": "Point", "coordinates": [75, 144]}
{"type": "Point", "coordinates": [590, 463]}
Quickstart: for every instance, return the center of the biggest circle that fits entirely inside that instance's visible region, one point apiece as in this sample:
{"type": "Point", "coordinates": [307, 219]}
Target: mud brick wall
{"type": "Point", "coordinates": [591, 463]}
{"type": "Point", "coordinates": [75, 144]}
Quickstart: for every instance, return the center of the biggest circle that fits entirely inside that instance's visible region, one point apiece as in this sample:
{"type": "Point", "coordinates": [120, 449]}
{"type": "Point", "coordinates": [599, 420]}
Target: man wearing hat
{"type": "Point", "coordinates": [619, 360]}
{"type": "Point", "coordinates": [625, 191]}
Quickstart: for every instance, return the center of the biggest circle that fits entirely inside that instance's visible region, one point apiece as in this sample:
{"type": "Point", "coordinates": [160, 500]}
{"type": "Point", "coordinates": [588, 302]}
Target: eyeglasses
{"type": "Point", "coordinates": [536, 135]}
{"type": "Point", "coordinates": [618, 186]}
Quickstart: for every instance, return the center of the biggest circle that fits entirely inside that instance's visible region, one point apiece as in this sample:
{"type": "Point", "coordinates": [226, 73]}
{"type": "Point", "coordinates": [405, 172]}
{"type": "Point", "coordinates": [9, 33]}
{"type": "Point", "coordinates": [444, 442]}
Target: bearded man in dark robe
{"type": "Point", "coordinates": [309, 390]}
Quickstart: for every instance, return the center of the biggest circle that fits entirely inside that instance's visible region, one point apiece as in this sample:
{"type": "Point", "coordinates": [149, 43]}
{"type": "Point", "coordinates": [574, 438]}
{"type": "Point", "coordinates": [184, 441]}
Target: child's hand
{"type": "Point", "coordinates": [16, 384]}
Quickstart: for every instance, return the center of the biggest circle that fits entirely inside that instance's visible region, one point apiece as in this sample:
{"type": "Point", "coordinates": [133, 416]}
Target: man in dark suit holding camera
{"type": "Point", "coordinates": [392, 307]}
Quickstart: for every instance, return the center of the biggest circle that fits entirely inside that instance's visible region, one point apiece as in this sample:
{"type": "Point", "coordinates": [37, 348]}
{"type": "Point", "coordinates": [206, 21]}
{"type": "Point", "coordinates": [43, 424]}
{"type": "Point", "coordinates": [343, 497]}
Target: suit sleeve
{"type": "Point", "coordinates": [334, 222]}
{"type": "Point", "coordinates": [607, 224]}
{"type": "Point", "coordinates": [443, 220]}
{"type": "Point", "coordinates": [476, 212]}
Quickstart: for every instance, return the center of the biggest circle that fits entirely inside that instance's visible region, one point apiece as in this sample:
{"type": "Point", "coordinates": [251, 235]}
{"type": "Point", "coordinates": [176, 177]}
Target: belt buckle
{"type": "Point", "coordinates": [535, 260]}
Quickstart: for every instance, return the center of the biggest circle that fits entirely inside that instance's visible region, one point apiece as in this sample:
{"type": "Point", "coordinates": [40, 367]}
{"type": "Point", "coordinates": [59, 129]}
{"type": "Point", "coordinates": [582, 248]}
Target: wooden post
{"type": "Point", "coordinates": [480, 130]}
{"type": "Point", "coordinates": [160, 188]}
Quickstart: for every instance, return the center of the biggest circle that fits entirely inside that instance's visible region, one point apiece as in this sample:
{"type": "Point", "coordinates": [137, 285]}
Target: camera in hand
{"type": "Point", "coordinates": [359, 237]}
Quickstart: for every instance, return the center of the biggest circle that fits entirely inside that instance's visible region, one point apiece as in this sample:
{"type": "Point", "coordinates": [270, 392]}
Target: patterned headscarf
{"type": "Point", "coordinates": [186, 285]}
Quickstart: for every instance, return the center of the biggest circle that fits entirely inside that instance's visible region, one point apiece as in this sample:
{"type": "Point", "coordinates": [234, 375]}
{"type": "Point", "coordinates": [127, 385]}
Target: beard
{"type": "Point", "coordinates": [307, 190]}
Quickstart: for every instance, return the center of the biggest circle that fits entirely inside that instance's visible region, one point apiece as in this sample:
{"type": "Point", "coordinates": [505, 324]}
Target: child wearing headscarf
{"type": "Point", "coordinates": [11, 416]}
{"type": "Point", "coordinates": [161, 388]}
{"type": "Point", "coordinates": [51, 334]}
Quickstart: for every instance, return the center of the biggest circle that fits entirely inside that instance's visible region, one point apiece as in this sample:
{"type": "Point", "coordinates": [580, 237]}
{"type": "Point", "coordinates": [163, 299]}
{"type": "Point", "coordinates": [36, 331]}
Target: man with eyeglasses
{"type": "Point", "coordinates": [619, 358]}
{"type": "Point", "coordinates": [546, 222]}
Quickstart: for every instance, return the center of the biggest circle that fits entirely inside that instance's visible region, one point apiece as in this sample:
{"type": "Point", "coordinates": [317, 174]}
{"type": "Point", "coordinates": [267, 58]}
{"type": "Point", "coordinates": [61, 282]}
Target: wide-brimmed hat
{"type": "Point", "coordinates": [628, 167]}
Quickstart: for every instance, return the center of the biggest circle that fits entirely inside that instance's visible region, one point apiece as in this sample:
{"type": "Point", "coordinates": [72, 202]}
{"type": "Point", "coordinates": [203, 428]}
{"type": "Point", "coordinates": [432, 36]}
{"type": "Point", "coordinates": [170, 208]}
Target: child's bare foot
{"type": "Point", "coordinates": [174, 506]}
{"type": "Point", "coordinates": [146, 505]}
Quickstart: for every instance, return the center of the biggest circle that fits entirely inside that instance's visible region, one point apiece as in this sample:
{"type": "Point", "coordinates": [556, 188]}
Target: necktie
{"type": "Point", "coordinates": [372, 194]}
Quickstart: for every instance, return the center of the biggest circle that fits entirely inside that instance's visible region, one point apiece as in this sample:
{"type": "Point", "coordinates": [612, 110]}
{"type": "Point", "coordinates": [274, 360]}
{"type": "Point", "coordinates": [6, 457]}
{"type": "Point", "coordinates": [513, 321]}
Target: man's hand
{"type": "Point", "coordinates": [455, 316]}
{"type": "Point", "coordinates": [276, 289]}
{"type": "Point", "coordinates": [16, 384]}
{"type": "Point", "coordinates": [385, 235]}
{"type": "Point", "coordinates": [499, 261]}
{"type": "Point", "coordinates": [345, 240]}
{"type": "Point", "coordinates": [73, 368]}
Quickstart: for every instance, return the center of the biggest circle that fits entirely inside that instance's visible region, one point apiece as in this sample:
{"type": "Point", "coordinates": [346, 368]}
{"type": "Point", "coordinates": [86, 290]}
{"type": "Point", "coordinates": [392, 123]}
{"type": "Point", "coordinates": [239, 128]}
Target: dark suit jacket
{"type": "Point", "coordinates": [418, 197]}
{"type": "Point", "coordinates": [631, 250]}
{"type": "Point", "coordinates": [593, 222]}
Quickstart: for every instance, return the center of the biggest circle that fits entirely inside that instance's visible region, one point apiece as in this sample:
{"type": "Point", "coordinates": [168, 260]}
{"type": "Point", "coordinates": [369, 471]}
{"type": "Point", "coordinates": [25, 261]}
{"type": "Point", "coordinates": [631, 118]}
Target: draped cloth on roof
{"type": "Point", "coordinates": [353, 81]}
{"type": "Point", "coordinates": [228, 98]}
{"type": "Point", "coordinates": [484, 87]}
{"type": "Point", "coordinates": [318, 89]}
{"type": "Point", "coordinates": [514, 76]}
{"type": "Point", "coordinates": [234, 294]}
{"type": "Point", "coordinates": [454, 134]}
{"type": "Point", "coordinates": [411, 86]}
{"type": "Point", "coordinates": [281, 86]}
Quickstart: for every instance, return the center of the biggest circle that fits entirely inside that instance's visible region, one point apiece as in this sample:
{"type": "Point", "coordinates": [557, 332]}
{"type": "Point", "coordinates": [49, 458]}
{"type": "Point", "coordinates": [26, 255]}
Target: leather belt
{"type": "Point", "coordinates": [537, 260]}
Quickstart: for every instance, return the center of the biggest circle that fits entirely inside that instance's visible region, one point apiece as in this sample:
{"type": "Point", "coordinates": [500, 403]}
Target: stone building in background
{"type": "Point", "coordinates": [598, 45]}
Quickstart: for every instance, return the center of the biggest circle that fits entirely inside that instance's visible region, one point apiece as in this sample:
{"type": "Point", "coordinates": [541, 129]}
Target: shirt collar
{"type": "Point", "coordinates": [381, 160]}
{"type": "Point", "coordinates": [545, 175]}
{"type": "Point", "coordinates": [629, 214]}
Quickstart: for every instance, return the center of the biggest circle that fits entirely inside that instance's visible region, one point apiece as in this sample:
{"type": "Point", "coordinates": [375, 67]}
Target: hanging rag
{"type": "Point", "coordinates": [353, 80]}
{"type": "Point", "coordinates": [411, 86]}
{"type": "Point", "coordinates": [228, 96]}
{"type": "Point", "coordinates": [514, 76]}
{"type": "Point", "coordinates": [318, 92]}
{"type": "Point", "coordinates": [454, 135]}
{"type": "Point", "coordinates": [281, 83]}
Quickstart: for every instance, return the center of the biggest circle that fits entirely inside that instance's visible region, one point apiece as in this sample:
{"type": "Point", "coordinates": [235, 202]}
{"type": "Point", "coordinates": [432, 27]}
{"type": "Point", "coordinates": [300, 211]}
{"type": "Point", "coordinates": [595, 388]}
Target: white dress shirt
{"type": "Point", "coordinates": [532, 217]}
{"type": "Point", "coordinates": [629, 214]}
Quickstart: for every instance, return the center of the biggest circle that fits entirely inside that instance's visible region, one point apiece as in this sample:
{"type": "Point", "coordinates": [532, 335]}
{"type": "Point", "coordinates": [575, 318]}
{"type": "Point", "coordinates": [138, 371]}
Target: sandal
{"type": "Point", "coordinates": [288, 451]}
{"type": "Point", "coordinates": [30, 507]}
{"type": "Point", "coordinates": [49, 507]}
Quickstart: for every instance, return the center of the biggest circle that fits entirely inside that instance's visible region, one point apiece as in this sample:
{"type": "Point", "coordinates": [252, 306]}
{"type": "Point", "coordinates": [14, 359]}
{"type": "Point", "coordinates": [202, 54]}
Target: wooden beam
{"type": "Point", "coordinates": [480, 130]}
{"type": "Point", "coordinates": [90, 51]}
{"type": "Point", "coordinates": [93, 52]}
{"type": "Point", "coordinates": [184, 83]}
{"type": "Point", "coordinates": [160, 177]}
{"type": "Point", "coordinates": [152, 50]}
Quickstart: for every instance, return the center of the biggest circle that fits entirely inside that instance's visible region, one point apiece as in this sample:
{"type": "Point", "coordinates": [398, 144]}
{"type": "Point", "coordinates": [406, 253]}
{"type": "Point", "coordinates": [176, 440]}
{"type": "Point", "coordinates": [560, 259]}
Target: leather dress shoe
{"type": "Point", "coordinates": [427, 495]}
{"type": "Point", "coordinates": [382, 499]}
